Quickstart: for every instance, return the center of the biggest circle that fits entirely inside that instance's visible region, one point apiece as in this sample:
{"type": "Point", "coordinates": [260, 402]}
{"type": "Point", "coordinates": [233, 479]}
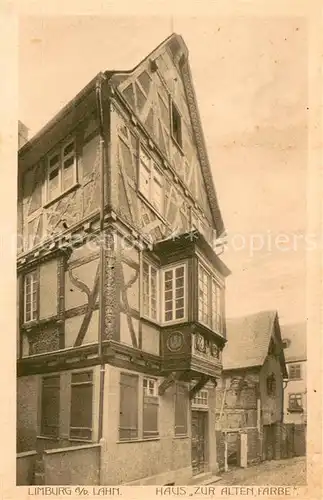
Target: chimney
{"type": "Point", "coordinates": [22, 134]}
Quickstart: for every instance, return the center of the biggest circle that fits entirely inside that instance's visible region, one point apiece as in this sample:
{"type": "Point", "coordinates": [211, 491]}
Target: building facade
{"type": "Point", "coordinates": [250, 394]}
{"type": "Point", "coordinates": [295, 391]}
{"type": "Point", "coordinates": [120, 289]}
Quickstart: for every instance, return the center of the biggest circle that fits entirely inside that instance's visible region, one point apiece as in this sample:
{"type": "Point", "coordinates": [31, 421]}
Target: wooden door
{"type": "Point", "coordinates": [268, 442]}
{"type": "Point", "coordinates": [199, 458]}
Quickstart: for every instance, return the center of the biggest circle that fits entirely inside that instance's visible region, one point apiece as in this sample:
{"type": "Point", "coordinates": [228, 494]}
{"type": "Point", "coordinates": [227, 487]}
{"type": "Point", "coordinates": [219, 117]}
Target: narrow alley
{"type": "Point", "coordinates": [288, 472]}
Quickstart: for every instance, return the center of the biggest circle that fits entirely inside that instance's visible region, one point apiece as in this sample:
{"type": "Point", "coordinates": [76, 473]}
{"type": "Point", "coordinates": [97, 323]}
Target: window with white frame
{"type": "Point", "coordinates": [209, 300]}
{"type": "Point", "coordinates": [151, 183]}
{"type": "Point", "coordinates": [150, 291]}
{"type": "Point", "coordinates": [295, 402]}
{"type": "Point", "coordinates": [150, 408]}
{"type": "Point", "coordinates": [294, 371]}
{"type": "Point", "coordinates": [174, 284]}
{"type": "Point", "coordinates": [62, 172]}
{"type": "Point", "coordinates": [31, 284]}
{"type": "Point", "coordinates": [201, 399]}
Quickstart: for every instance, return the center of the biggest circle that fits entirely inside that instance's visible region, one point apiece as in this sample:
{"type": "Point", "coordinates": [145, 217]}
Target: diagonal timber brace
{"type": "Point", "coordinates": [168, 381]}
{"type": "Point", "coordinates": [200, 384]}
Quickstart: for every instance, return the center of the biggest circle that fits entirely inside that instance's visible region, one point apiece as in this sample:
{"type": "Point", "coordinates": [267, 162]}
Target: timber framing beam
{"type": "Point", "coordinates": [167, 382]}
{"type": "Point", "coordinates": [199, 385]}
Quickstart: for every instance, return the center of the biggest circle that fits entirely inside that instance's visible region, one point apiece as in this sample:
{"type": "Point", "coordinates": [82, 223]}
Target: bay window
{"type": "Point", "coordinates": [150, 291]}
{"type": "Point", "coordinates": [174, 288]}
{"type": "Point", "coordinates": [209, 300]}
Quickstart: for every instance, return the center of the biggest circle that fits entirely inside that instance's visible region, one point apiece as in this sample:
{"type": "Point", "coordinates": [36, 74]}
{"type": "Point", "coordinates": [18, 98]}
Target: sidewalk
{"type": "Point", "coordinates": [288, 472]}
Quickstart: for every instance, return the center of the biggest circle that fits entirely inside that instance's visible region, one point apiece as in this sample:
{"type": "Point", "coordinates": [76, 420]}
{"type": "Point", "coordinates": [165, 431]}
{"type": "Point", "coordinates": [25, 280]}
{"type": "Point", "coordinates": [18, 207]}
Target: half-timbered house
{"type": "Point", "coordinates": [121, 291]}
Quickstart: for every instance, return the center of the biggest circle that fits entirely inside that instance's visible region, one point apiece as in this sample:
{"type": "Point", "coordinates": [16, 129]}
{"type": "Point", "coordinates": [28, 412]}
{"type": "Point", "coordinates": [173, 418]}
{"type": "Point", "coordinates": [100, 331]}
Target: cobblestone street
{"type": "Point", "coordinates": [288, 472]}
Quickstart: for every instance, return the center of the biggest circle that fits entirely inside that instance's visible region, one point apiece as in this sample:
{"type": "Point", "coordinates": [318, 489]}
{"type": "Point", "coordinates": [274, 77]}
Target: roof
{"type": "Point", "coordinates": [171, 41]}
{"type": "Point", "coordinates": [296, 334]}
{"type": "Point", "coordinates": [248, 340]}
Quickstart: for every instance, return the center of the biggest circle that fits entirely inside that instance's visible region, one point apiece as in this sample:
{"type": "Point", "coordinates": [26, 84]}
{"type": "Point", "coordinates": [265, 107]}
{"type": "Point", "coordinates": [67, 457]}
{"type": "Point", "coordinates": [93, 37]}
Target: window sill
{"type": "Point", "coordinates": [166, 324]}
{"type": "Point", "coordinates": [295, 410]}
{"type": "Point", "coordinates": [60, 196]}
{"type": "Point", "coordinates": [151, 322]}
{"type": "Point", "coordinates": [29, 325]}
{"type": "Point", "coordinates": [139, 440]}
{"type": "Point", "coordinates": [184, 436]}
{"type": "Point", "coordinates": [47, 438]}
{"type": "Point", "coordinates": [75, 440]}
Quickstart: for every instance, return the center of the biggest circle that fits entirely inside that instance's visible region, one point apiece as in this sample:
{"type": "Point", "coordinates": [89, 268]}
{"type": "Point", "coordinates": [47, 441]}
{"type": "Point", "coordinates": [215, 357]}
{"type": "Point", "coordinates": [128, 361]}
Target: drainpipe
{"type": "Point", "coordinates": [102, 255]}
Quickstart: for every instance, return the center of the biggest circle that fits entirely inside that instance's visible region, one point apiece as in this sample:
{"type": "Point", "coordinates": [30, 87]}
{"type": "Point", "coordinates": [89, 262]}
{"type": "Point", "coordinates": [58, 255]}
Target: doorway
{"type": "Point", "coordinates": [268, 442]}
{"type": "Point", "coordinates": [199, 432]}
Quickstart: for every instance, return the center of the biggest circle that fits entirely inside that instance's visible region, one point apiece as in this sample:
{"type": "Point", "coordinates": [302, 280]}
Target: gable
{"type": "Point", "coordinates": [150, 90]}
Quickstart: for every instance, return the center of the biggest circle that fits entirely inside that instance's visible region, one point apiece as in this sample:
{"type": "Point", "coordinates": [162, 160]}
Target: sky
{"type": "Point", "coordinates": [250, 77]}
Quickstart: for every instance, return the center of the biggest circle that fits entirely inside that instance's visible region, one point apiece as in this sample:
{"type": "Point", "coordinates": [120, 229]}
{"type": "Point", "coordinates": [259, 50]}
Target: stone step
{"type": "Point", "coordinates": [212, 480]}
{"type": "Point", "coordinates": [204, 479]}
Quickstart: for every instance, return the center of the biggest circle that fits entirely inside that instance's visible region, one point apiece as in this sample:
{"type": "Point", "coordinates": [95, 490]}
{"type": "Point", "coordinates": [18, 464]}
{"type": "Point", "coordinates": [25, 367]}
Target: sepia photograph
{"type": "Point", "coordinates": [162, 245]}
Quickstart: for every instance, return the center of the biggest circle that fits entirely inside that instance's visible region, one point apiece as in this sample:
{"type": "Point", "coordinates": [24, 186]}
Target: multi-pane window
{"type": "Point", "coordinates": [181, 411]}
{"type": "Point", "coordinates": [151, 183]}
{"type": "Point", "coordinates": [295, 402]}
{"type": "Point", "coordinates": [216, 307]}
{"type": "Point", "coordinates": [294, 371]}
{"type": "Point", "coordinates": [201, 399]}
{"type": "Point", "coordinates": [128, 424]}
{"type": "Point", "coordinates": [50, 406]}
{"type": "Point", "coordinates": [209, 300]}
{"type": "Point", "coordinates": [150, 408]}
{"type": "Point", "coordinates": [81, 405]}
{"type": "Point", "coordinates": [150, 291]}
{"type": "Point", "coordinates": [31, 284]}
{"type": "Point", "coordinates": [204, 296]}
{"type": "Point", "coordinates": [174, 284]}
{"type": "Point", "coordinates": [131, 427]}
{"type": "Point", "coordinates": [176, 124]}
{"type": "Point", "coordinates": [61, 170]}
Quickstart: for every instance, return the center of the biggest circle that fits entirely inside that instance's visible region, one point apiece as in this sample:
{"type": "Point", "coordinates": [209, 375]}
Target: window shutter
{"type": "Point", "coordinates": [128, 427]}
{"type": "Point", "coordinates": [81, 405]}
{"type": "Point", "coordinates": [50, 407]}
{"type": "Point", "coordinates": [150, 416]}
{"type": "Point", "coordinates": [150, 408]}
{"type": "Point", "coordinates": [180, 411]}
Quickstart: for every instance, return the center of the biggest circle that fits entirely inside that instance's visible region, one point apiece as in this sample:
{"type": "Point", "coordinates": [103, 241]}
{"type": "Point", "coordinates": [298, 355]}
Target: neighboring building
{"type": "Point", "coordinates": [22, 134]}
{"type": "Point", "coordinates": [121, 310]}
{"type": "Point", "coordinates": [250, 396]}
{"type": "Point", "coordinates": [294, 340]}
